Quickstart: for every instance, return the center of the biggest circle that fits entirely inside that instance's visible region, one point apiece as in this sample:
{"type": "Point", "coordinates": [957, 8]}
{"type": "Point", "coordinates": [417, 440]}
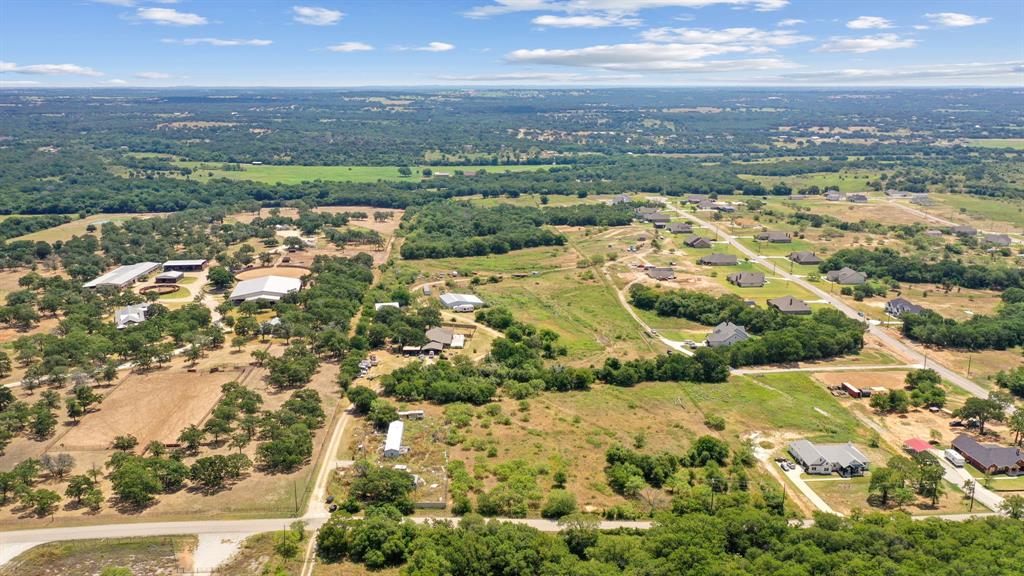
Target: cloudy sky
{"type": "Point", "coordinates": [149, 43]}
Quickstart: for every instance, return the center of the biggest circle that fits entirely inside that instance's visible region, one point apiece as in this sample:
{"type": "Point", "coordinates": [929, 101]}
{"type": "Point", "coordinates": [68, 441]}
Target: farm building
{"type": "Point", "coordinates": [789, 305]}
{"type": "Point", "coordinates": [661, 274]}
{"type": "Point", "coordinates": [426, 290]}
{"type": "Point", "coordinates": [268, 288]}
{"type": "Point", "coordinates": [393, 442]}
{"type": "Point", "coordinates": [964, 230]}
{"type": "Point", "coordinates": [679, 228]}
{"type": "Point", "coordinates": [461, 302]}
{"type": "Point", "coordinates": [922, 200]}
{"type": "Point", "coordinates": [857, 198]}
{"type": "Point", "coordinates": [774, 236]}
{"type": "Point", "coordinates": [620, 199]}
{"type": "Point", "coordinates": [834, 196]}
{"type": "Point", "coordinates": [411, 414]}
{"type": "Point", "coordinates": [697, 242]}
{"type": "Point", "coordinates": [184, 265]}
{"type": "Point", "coordinates": [899, 306]}
{"type": "Point", "coordinates": [130, 315]}
{"type": "Point", "coordinates": [718, 260]}
{"type": "Point", "coordinates": [747, 279]}
{"type": "Point", "coordinates": [169, 277]}
{"type": "Point", "coordinates": [846, 276]}
{"type": "Point", "coordinates": [805, 258]}
{"type": "Point", "coordinates": [843, 459]}
{"type": "Point", "coordinates": [705, 205]}
{"type": "Point", "coordinates": [990, 458]}
{"type": "Point", "coordinates": [933, 233]}
{"type": "Point", "coordinates": [725, 334]}
{"type": "Point", "coordinates": [122, 275]}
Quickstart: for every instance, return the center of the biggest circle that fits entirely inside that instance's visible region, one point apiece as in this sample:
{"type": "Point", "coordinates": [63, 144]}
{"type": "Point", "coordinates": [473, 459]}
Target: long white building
{"type": "Point", "coordinates": [268, 288]}
{"type": "Point", "coordinates": [123, 275]}
{"type": "Point", "coordinates": [393, 443]}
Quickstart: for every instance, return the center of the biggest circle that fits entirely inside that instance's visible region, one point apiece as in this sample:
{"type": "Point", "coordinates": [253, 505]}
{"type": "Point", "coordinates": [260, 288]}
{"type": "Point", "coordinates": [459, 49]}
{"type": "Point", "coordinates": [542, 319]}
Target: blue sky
{"type": "Point", "coordinates": [150, 43]}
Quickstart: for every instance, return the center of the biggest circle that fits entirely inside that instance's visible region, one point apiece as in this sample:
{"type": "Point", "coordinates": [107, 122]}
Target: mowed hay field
{"type": "Point", "coordinates": [272, 174]}
{"type": "Point", "coordinates": [79, 227]}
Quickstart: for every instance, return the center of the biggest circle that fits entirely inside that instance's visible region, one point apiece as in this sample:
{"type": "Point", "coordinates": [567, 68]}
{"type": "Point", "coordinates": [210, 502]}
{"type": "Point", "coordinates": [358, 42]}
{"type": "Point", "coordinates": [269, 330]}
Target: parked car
{"type": "Point", "coordinates": [330, 499]}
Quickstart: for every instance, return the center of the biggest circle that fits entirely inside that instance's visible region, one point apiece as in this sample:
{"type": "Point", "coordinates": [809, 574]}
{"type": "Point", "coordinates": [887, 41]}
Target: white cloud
{"type": "Point", "coordinates": [217, 42]}
{"type": "Point", "coordinates": [1012, 70]}
{"type": "Point", "coordinates": [790, 22]}
{"type": "Point", "coordinates": [49, 69]}
{"type": "Point", "coordinates": [316, 16]}
{"type": "Point", "coordinates": [866, 43]}
{"type": "Point", "coordinates": [170, 16]}
{"type": "Point", "coordinates": [350, 47]}
{"type": "Point", "coordinates": [921, 27]}
{"type": "Point", "coordinates": [648, 56]}
{"type": "Point", "coordinates": [11, 83]}
{"type": "Point", "coordinates": [955, 19]}
{"type": "Point", "coordinates": [499, 7]}
{"type": "Point", "coordinates": [585, 21]}
{"type": "Point", "coordinates": [117, 81]}
{"type": "Point", "coordinates": [116, 2]}
{"type": "Point", "coordinates": [540, 77]}
{"type": "Point", "coordinates": [744, 36]}
{"type": "Point", "coordinates": [869, 23]}
{"type": "Point", "coordinates": [152, 75]}
{"type": "Point", "coordinates": [435, 47]}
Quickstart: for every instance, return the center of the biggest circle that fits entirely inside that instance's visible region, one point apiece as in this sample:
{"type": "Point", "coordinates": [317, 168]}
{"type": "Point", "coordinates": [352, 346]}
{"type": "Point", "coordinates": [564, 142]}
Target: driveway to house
{"type": "Point", "coordinates": [957, 477]}
{"type": "Point", "coordinates": [806, 490]}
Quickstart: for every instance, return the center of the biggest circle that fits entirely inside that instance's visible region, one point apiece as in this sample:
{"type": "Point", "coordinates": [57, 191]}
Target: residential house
{"type": "Point", "coordinates": [899, 306]}
{"type": "Point", "coordinates": [824, 459]}
{"type": "Point", "coordinates": [922, 200]}
{"type": "Point", "coordinates": [847, 276]}
{"type": "Point", "coordinates": [718, 260]}
{"type": "Point", "coordinates": [706, 204]}
{"type": "Point", "coordinates": [789, 305]}
{"type": "Point", "coordinates": [964, 230]}
{"type": "Point", "coordinates": [661, 274]}
{"type": "Point", "coordinates": [747, 279]}
{"type": "Point", "coordinates": [809, 258]}
{"type": "Point", "coordinates": [620, 199]}
{"type": "Point", "coordinates": [697, 242]}
{"type": "Point", "coordinates": [933, 233]}
{"type": "Point", "coordinates": [990, 458]}
{"type": "Point", "coordinates": [659, 219]}
{"type": "Point", "coordinates": [726, 334]}
{"type": "Point", "coordinates": [996, 239]}
{"type": "Point", "coordinates": [834, 196]}
{"type": "Point", "coordinates": [679, 228]}
{"type": "Point", "coordinates": [857, 198]}
{"type": "Point", "coordinates": [775, 236]}
{"type": "Point", "coordinates": [130, 315]}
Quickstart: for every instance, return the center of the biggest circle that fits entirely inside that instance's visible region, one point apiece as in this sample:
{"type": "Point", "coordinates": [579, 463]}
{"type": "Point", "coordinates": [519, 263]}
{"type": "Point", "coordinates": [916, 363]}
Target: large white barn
{"type": "Point", "coordinates": [268, 288]}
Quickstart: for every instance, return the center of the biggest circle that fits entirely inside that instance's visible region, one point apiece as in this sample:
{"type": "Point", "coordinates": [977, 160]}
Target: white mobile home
{"type": "Point", "coordinates": [393, 442]}
{"type": "Point", "coordinates": [954, 457]}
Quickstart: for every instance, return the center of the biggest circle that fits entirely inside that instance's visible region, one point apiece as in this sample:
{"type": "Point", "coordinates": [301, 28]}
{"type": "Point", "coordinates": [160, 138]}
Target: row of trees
{"type": "Point", "coordinates": [886, 262]}
{"type": "Point", "coordinates": [1004, 329]}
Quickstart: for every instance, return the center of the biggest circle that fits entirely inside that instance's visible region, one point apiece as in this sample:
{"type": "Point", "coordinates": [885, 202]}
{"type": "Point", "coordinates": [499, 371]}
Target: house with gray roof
{"type": "Point", "coordinates": [661, 274]}
{"type": "Point", "coordinates": [922, 200]}
{"type": "Point", "coordinates": [620, 199]}
{"type": "Point", "coordinates": [659, 219]}
{"type": "Point", "coordinates": [933, 233]}
{"type": "Point", "coordinates": [747, 279]}
{"type": "Point", "coordinates": [789, 305]}
{"type": "Point", "coordinates": [697, 242]}
{"type": "Point", "coordinates": [824, 459]}
{"type": "Point", "coordinates": [846, 275]}
{"type": "Point", "coordinates": [857, 198]}
{"type": "Point", "coordinates": [679, 227]}
{"type": "Point", "coordinates": [834, 196]}
{"type": "Point", "coordinates": [726, 334]}
{"type": "Point", "coordinates": [775, 236]}
{"type": "Point", "coordinates": [717, 259]}
{"type": "Point", "coordinates": [964, 230]}
{"type": "Point", "coordinates": [899, 306]}
{"type": "Point", "coordinates": [805, 258]}
{"type": "Point", "coordinates": [990, 458]}
{"type": "Point", "coordinates": [996, 239]}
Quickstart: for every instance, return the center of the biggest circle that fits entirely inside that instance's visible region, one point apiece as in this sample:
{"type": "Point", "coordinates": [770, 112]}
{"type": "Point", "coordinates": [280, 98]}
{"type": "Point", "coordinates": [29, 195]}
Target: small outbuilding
{"type": "Point", "coordinates": [169, 277]}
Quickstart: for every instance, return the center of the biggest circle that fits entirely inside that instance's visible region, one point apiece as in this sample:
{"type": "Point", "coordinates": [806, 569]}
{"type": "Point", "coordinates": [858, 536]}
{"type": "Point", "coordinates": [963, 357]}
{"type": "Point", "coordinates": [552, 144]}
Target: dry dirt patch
{"type": "Point", "coordinates": [292, 270]}
{"type": "Point", "coordinates": [892, 380]}
{"type": "Point", "coordinates": [151, 406]}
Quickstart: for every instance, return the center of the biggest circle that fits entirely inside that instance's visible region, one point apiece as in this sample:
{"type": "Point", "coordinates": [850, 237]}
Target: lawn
{"type": "Point", "coordinates": [849, 494]}
{"type": "Point", "coordinates": [846, 180]}
{"type": "Point", "coordinates": [151, 555]}
{"type": "Point", "coordinates": [975, 209]}
{"type": "Point", "coordinates": [279, 174]}
{"type": "Point", "coordinates": [999, 483]}
{"type": "Point", "coordinates": [257, 555]}
{"type": "Point", "coordinates": [539, 259]}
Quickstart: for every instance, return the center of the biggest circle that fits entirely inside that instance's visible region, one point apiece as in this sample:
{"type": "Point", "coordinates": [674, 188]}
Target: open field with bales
{"type": "Point", "coordinates": [287, 174]}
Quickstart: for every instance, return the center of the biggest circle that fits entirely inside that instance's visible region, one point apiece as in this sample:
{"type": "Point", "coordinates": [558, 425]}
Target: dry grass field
{"type": "Point", "coordinates": [151, 556]}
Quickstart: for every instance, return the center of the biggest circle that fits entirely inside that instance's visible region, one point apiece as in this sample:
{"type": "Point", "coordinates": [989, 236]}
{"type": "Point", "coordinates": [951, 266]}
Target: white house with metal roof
{"type": "Point", "coordinates": [130, 315]}
{"type": "Point", "coordinates": [123, 275]}
{"type": "Point", "coordinates": [268, 288]}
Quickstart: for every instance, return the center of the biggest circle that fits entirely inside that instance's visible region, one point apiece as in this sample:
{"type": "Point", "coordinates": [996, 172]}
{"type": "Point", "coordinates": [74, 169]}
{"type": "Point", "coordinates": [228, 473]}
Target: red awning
{"type": "Point", "coordinates": [916, 445]}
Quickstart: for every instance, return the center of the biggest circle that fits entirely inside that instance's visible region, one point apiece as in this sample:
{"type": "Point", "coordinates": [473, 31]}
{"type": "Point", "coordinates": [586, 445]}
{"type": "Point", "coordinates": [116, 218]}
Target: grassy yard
{"type": "Point", "coordinates": [846, 180]}
{"type": "Point", "coordinates": [997, 210]}
{"type": "Point", "coordinates": [539, 259]}
{"type": "Point", "coordinates": [275, 174]}
{"type": "Point", "coordinates": [1015, 143]}
{"type": "Point", "coordinates": [787, 403]}
{"type": "Point", "coordinates": [849, 494]}
{"type": "Point", "coordinates": [1001, 483]}
{"type": "Point", "coordinates": [257, 555]}
{"type": "Point", "coordinates": [152, 555]}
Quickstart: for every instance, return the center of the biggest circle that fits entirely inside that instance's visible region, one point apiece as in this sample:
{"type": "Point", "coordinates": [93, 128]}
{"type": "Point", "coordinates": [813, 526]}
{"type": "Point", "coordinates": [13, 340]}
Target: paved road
{"type": "Point", "coordinates": [878, 332]}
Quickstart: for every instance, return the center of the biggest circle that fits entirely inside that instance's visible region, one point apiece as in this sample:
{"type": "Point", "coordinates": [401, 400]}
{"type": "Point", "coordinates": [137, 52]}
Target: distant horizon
{"type": "Point", "coordinates": [506, 43]}
{"type": "Point", "coordinates": [548, 87]}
